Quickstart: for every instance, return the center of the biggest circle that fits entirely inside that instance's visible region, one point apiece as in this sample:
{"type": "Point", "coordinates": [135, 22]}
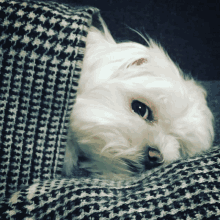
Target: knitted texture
{"type": "Point", "coordinates": [42, 47]}
{"type": "Point", "coordinates": [187, 189]}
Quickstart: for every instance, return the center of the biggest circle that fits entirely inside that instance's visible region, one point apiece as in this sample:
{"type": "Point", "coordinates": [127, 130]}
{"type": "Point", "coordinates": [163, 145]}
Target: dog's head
{"type": "Point", "coordinates": [135, 110]}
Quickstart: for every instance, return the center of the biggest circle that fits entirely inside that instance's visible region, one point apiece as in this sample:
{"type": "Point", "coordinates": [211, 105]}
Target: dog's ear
{"type": "Point", "coordinates": [139, 62]}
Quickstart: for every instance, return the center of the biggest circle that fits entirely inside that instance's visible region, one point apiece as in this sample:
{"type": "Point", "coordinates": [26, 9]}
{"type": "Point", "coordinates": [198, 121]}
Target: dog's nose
{"type": "Point", "coordinates": [155, 158]}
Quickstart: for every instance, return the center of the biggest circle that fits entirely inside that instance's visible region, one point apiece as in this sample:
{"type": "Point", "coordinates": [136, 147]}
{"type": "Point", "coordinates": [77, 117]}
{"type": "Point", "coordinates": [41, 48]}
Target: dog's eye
{"type": "Point", "coordinates": [142, 110]}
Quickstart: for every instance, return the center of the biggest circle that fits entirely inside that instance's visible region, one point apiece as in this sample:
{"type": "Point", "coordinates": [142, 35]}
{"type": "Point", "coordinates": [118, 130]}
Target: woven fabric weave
{"type": "Point", "coordinates": [42, 47]}
{"type": "Point", "coordinates": [187, 189]}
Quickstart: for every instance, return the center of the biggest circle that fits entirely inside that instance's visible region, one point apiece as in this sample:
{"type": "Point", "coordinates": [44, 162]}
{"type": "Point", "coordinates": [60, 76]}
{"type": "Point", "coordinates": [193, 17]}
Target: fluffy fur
{"type": "Point", "coordinates": [106, 136]}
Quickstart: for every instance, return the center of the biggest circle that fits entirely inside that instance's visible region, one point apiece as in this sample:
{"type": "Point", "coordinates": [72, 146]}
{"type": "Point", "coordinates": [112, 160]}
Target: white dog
{"type": "Point", "coordinates": [134, 110]}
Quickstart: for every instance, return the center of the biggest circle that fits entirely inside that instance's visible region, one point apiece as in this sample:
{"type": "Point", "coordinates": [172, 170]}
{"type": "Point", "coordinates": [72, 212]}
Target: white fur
{"type": "Point", "coordinates": [103, 126]}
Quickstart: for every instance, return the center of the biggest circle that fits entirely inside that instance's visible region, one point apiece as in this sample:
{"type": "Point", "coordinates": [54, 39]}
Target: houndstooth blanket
{"type": "Point", "coordinates": [42, 47]}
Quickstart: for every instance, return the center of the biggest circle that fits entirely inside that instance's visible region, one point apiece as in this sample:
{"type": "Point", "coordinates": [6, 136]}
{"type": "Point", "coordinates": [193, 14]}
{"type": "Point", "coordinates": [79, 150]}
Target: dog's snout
{"type": "Point", "coordinates": [155, 158]}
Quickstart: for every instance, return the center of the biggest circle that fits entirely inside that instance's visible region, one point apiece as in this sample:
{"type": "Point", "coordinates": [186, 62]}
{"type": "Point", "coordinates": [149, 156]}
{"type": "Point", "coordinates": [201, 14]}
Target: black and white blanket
{"type": "Point", "coordinates": [41, 54]}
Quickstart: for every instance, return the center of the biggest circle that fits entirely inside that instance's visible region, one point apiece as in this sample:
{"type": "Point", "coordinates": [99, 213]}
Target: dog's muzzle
{"type": "Point", "coordinates": [154, 158]}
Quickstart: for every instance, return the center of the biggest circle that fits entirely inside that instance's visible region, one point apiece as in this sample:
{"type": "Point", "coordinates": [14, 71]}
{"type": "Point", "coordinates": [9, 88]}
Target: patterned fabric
{"type": "Point", "coordinates": [42, 47]}
{"type": "Point", "coordinates": [188, 189]}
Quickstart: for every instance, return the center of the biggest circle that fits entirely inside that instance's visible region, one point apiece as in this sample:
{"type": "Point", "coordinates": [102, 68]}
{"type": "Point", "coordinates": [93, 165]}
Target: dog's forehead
{"type": "Point", "coordinates": [139, 61]}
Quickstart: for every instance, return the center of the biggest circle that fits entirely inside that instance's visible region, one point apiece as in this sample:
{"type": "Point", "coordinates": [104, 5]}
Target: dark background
{"type": "Point", "coordinates": [188, 30]}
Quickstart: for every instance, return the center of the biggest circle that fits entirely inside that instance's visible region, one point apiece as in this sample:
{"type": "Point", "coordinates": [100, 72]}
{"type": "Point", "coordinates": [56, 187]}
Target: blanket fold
{"type": "Point", "coordinates": [187, 189]}
{"type": "Point", "coordinates": [42, 47]}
